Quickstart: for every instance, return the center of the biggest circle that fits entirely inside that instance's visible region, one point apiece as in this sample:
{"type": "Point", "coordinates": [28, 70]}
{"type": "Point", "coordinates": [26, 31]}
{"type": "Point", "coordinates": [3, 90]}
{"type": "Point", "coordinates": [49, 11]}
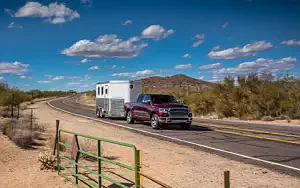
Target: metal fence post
{"type": "Point", "coordinates": [56, 135]}
{"type": "Point", "coordinates": [226, 179]}
{"type": "Point", "coordinates": [58, 150]}
{"type": "Point", "coordinates": [99, 165]}
{"type": "Point", "coordinates": [139, 169]}
{"type": "Point", "coordinates": [76, 171]}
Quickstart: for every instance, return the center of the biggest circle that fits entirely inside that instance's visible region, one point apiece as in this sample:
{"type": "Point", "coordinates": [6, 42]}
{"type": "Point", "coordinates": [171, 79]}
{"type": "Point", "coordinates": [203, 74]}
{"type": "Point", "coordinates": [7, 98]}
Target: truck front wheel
{"type": "Point", "coordinates": [129, 118]}
{"type": "Point", "coordinates": [154, 121]}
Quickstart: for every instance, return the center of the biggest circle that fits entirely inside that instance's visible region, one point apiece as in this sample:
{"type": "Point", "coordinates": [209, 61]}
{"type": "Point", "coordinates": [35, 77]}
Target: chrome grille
{"type": "Point", "coordinates": [179, 111]}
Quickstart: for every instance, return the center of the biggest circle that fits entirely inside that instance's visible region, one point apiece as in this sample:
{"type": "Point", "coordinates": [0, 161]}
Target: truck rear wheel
{"type": "Point", "coordinates": [185, 126]}
{"type": "Point", "coordinates": [154, 121]}
{"type": "Point", "coordinates": [129, 118]}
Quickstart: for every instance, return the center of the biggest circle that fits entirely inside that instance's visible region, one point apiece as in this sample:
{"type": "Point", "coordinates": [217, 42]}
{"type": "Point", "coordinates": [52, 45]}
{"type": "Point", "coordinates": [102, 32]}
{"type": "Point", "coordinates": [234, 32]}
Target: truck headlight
{"type": "Point", "coordinates": [165, 110]}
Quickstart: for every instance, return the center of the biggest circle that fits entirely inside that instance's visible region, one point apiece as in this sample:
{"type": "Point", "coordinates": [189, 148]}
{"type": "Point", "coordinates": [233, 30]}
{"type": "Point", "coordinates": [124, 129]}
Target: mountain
{"type": "Point", "coordinates": [175, 82]}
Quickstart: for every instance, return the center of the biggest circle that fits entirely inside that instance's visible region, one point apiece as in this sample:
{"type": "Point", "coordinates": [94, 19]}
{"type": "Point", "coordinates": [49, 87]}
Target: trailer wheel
{"type": "Point", "coordinates": [97, 113]}
{"type": "Point", "coordinates": [129, 118]}
{"type": "Point", "coordinates": [154, 121]}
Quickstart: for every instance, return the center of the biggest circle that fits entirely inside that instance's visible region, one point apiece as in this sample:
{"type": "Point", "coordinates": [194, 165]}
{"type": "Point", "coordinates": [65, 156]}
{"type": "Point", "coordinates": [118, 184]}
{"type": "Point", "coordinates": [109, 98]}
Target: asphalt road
{"type": "Point", "coordinates": [274, 155]}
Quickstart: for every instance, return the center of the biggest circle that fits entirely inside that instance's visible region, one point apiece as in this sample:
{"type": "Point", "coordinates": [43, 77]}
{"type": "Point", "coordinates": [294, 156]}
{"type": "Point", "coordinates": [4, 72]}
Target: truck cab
{"type": "Point", "coordinates": [160, 110]}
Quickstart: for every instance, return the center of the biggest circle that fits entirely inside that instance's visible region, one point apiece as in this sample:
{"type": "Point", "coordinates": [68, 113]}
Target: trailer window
{"type": "Point", "coordinates": [106, 91]}
{"type": "Point", "coordinates": [102, 90]}
{"type": "Point", "coordinates": [98, 90]}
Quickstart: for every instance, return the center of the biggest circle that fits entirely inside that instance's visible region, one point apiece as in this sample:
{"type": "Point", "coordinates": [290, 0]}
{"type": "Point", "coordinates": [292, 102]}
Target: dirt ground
{"type": "Point", "coordinates": [20, 168]}
{"type": "Point", "coordinates": [87, 100]}
{"type": "Point", "coordinates": [176, 165]}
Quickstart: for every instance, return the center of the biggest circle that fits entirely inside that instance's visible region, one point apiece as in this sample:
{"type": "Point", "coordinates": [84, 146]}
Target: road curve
{"type": "Point", "coordinates": [278, 156]}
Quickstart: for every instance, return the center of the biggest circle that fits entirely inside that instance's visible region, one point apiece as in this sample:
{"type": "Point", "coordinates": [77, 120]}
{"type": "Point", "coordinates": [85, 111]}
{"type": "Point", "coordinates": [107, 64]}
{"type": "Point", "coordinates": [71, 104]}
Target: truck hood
{"type": "Point", "coordinates": [171, 105]}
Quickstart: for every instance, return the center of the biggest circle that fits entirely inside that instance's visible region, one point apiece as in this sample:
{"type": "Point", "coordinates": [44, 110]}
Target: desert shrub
{"type": "Point", "coordinates": [48, 161]}
{"type": "Point", "coordinates": [23, 138]}
{"type": "Point", "coordinates": [20, 133]}
{"type": "Point", "coordinates": [267, 118]}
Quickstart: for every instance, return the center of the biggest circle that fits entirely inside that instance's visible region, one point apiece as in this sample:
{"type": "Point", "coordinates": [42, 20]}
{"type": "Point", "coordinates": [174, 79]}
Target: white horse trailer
{"type": "Point", "coordinates": [111, 96]}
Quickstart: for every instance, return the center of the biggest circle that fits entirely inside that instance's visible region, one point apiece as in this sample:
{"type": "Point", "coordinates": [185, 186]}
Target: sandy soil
{"type": "Point", "coordinates": [173, 164]}
{"type": "Point", "coordinates": [87, 100]}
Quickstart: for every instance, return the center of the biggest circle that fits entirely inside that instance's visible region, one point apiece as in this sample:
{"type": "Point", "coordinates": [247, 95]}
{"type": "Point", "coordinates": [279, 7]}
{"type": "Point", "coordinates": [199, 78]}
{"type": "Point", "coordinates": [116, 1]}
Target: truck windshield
{"type": "Point", "coordinates": [163, 99]}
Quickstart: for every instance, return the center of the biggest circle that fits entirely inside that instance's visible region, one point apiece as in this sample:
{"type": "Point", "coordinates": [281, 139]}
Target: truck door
{"type": "Point", "coordinates": [146, 108]}
{"type": "Point", "coordinates": [136, 109]}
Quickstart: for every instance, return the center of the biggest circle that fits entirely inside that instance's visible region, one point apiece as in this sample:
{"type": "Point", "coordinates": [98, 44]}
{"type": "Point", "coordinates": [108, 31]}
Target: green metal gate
{"type": "Point", "coordinates": [135, 169]}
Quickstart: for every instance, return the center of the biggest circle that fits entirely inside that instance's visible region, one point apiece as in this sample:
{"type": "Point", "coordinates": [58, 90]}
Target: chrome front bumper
{"type": "Point", "coordinates": [171, 120]}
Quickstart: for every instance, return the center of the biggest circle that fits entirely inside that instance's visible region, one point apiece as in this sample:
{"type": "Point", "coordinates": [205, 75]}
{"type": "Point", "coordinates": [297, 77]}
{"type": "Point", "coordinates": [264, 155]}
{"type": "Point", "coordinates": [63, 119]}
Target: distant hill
{"type": "Point", "coordinates": [176, 82]}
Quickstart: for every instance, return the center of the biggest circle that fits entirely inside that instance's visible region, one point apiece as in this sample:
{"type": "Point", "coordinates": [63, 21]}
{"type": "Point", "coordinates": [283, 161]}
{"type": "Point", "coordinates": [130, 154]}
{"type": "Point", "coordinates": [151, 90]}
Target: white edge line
{"type": "Point", "coordinates": [177, 139]}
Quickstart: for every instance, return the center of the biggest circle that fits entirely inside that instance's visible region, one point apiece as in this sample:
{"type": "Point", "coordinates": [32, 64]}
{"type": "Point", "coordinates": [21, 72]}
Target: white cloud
{"type": "Point", "coordinates": [187, 56]}
{"type": "Point", "coordinates": [85, 86]}
{"type": "Point", "coordinates": [1, 79]}
{"type": "Point", "coordinates": [127, 22]}
{"type": "Point", "coordinates": [93, 68]}
{"type": "Point", "coordinates": [199, 36]}
{"type": "Point", "coordinates": [13, 68]}
{"type": "Point", "coordinates": [54, 12]}
{"type": "Point", "coordinates": [48, 75]}
{"type": "Point", "coordinates": [216, 48]}
{"type": "Point", "coordinates": [210, 66]}
{"type": "Point", "coordinates": [291, 42]}
{"type": "Point", "coordinates": [197, 43]}
{"type": "Point", "coordinates": [156, 32]}
{"type": "Point", "coordinates": [26, 85]}
{"type": "Point", "coordinates": [14, 25]}
{"type": "Point", "coordinates": [87, 3]}
{"type": "Point", "coordinates": [25, 77]}
{"type": "Point", "coordinates": [44, 82]}
{"type": "Point", "coordinates": [106, 46]}
{"type": "Point", "coordinates": [199, 39]}
{"type": "Point", "coordinates": [143, 73]}
{"type": "Point", "coordinates": [224, 25]}
{"type": "Point", "coordinates": [184, 66]}
{"type": "Point", "coordinates": [260, 65]}
{"type": "Point", "coordinates": [58, 78]}
{"type": "Point", "coordinates": [236, 52]}
{"type": "Point", "coordinates": [201, 78]}
{"type": "Point", "coordinates": [86, 77]}
{"type": "Point", "coordinates": [73, 83]}
{"type": "Point", "coordinates": [85, 60]}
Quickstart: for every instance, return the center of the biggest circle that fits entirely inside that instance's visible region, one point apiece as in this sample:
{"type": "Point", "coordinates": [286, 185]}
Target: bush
{"type": "Point", "coordinates": [48, 161]}
{"type": "Point", "coordinates": [20, 133]}
{"type": "Point", "coordinates": [267, 118]}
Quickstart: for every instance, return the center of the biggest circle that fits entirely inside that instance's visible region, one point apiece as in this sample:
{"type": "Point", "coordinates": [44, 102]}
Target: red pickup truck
{"type": "Point", "coordinates": [159, 110]}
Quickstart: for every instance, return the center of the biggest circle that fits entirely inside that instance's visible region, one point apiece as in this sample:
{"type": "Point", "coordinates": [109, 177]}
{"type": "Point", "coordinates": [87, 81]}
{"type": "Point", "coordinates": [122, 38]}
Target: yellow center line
{"type": "Point", "coordinates": [250, 130]}
{"type": "Point", "coordinates": [260, 137]}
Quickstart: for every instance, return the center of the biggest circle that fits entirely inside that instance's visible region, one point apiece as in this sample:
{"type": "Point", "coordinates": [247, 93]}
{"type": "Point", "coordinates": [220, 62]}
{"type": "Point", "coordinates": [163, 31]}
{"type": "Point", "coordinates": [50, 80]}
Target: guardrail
{"type": "Point", "coordinates": [74, 159]}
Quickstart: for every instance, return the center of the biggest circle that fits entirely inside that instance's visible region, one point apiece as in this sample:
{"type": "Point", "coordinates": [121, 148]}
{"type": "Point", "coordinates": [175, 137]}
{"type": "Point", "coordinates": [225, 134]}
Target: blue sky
{"type": "Point", "coordinates": [61, 45]}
